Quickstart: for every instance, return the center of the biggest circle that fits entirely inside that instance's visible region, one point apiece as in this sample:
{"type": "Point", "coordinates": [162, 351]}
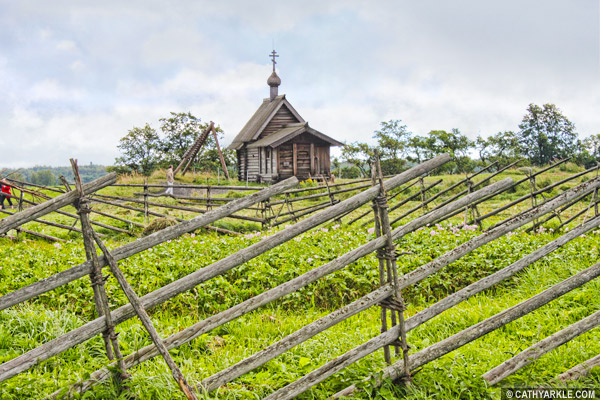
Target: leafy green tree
{"type": "Point", "coordinates": [588, 151]}
{"type": "Point", "coordinates": [455, 143]}
{"type": "Point", "coordinates": [140, 150]}
{"type": "Point", "coordinates": [502, 147]}
{"type": "Point", "coordinates": [592, 144]}
{"type": "Point", "coordinates": [359, 155]}
{"type": "Point", "coordinates": [546, 134]}
{"type": "Point", "coordinates": [393, 145]}
{"type": "Point", "coordinates": [44, 177]}
{"type": "Point", "coordinates": [180, 131]}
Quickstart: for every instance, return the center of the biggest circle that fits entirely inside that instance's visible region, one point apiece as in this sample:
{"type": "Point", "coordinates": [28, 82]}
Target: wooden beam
{"type": "Point", "coordinates": [295, 158]}
{"type": "Point", "coordinates": [47, 207]}
{"type": "Point", "coordinates": [89, 330]}
{"type": "Point", "coordinates": [214, 131]}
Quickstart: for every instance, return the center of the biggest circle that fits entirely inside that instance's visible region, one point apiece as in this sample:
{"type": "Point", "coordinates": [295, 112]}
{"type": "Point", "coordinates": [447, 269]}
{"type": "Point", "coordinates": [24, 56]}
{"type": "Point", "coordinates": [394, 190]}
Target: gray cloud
{"type": "Point", "coordinates": [75, 77]}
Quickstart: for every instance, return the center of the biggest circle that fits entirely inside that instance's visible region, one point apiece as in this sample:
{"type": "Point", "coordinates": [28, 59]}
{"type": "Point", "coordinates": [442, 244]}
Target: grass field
{"type": "Point", "coordinates": [455, 376]}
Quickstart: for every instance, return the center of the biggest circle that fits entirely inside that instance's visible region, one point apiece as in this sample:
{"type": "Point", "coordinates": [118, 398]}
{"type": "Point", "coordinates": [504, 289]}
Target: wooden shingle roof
{"type": "Point", "coordinates": [260, 119]}
{"type": "Point", "coordinates": [289, 132]}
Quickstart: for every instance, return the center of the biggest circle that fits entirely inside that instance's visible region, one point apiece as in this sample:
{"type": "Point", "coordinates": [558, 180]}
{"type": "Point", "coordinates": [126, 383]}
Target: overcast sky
{"type": "Point", "coordinates": [75, 76]}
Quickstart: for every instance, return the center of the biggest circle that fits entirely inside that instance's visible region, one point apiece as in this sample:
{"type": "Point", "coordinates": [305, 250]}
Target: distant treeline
{"type": "Point", "coordinates": [49, 176]}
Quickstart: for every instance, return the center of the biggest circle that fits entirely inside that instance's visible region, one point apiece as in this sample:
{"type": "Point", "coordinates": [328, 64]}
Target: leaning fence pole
{"type": "Point", "coordinates": [47, 207]}
{"type": "Point", "coordinates": [264, 298]}
{"type": "Point", "coordinates": [485, 283]}
{"type": "Point", "coordinates": [301, 335]}
{"type": "Point", "coordinates": [79, 335]}
{"type": "Point", "coordinates": [129, 249]}
{"type": "Point", "coordinates": [476, 331]}
{"type": "Point", "coordinates": [579, 370]}
{"type": "Point", "coordinates": [542, 347]}
{"type": "Point", "coordinates": [145, 319]}
{"type": "Point", "coordinates": [534, 193]}
{"type": "Point", "coordinates": [111, 343]}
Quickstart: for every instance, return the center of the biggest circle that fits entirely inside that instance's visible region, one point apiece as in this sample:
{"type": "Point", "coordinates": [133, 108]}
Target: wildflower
{"type": "Point", "coordinates": [371, 231]}
{"type": "Point", "coordinates": [335, 226]}
{"type": "Point", "coordinates": [324, 230]}
{"type": "Point", "coordinates": [57, 245]}
{"type": "Point", "coordinates": [297, 239]}
{"type": "Point", "coordinates": [309, 259]}
{"type": "Point", "coordinates": [193, 235]}
{"type": "Point", "coordinates": [433, 233]}
{"type": "Point", "coordinates": [194, 241]}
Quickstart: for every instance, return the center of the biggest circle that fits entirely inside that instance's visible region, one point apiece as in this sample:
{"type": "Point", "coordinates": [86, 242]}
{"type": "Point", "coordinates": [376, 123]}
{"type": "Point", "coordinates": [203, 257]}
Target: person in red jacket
{"type": "Point", "coordinates": [5, 193]}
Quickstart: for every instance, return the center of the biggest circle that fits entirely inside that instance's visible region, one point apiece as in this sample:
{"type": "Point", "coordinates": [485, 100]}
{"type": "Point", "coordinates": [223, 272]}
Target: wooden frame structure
{"type": "Point", "coordinates": [388, 296]}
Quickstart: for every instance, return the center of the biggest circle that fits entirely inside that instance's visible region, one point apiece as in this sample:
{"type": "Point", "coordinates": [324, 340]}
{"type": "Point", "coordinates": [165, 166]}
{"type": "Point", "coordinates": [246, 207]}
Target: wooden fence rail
{"type": "Point", "coordinates": [89, 330]}
{"type": "Point", "coordinates": [388, 296]}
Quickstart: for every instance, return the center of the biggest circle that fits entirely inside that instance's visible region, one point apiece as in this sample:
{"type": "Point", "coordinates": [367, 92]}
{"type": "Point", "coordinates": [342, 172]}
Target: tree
{"type": "Point", "coordinates": [359, 155]}
{"type": "Point", "coordinates": [588, 151]}
{"type": "Point", "coordinates": [392, 143]}
{"type": "Point", "coordinates": [140, 150]}
{"type": "Point", "coordinates": [502, 147]}
{"type": "Point", "coordinates": [180, 131]}
{"type": "Point", "coordinates": [546, 134]}
{"type": "Point", "coordinates": [44, 177]}
{"type": "Point", "coordinates": [453, 142]}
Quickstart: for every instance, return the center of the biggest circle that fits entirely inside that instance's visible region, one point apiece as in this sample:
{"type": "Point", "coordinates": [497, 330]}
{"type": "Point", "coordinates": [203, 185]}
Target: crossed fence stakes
{"type": "Point", "coordinates": [388, 296]}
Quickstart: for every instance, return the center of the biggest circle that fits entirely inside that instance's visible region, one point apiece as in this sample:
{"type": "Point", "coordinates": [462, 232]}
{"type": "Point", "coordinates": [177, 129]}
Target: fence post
{"type": "Point", "coordinates": [396, 303]}
{"type": "Point", "coordinates": [146, 201]}
{"type": "Point", "coordinates": [382, 272]}
{"type": "Point", "coordinates": [111, 343]}
{"type": "Point", "coordinates": [423, 194]}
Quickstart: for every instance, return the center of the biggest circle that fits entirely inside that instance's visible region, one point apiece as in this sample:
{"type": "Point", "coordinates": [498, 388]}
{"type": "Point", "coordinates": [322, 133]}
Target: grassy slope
{"type": "Point", "coordinates": [454, 376]}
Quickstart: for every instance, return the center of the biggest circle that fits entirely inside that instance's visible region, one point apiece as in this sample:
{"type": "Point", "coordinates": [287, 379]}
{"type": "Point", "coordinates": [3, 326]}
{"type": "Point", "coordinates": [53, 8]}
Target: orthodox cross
{"type": "Point", "coordinates": [273, 55]}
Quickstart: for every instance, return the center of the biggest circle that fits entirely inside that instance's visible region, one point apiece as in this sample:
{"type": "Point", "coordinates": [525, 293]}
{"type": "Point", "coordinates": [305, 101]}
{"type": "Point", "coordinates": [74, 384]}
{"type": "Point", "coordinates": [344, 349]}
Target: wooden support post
{"type": "Point", "coordinates": [225, 171]}
{"type": "Point", "coordinates": [143, 316]}
{"type": "Point", "coordinates": [389, 253]}
{"type": "Point", "coordinates": [208, 205]}
{"type": "Point", "coordinates": [467, 335]}
{"type": "Point", "coordinates": [111, 343]}
{"type": "Point", "coordinates": [146, 201]}
{"type": "Point", "coordinates": [382, 268]}
{"type": "Point", "coordinates": [54, 204]}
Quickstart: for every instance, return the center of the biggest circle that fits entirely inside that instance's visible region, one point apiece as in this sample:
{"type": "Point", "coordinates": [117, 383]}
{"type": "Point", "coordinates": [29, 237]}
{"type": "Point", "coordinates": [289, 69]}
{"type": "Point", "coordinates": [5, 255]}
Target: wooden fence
{"type": "Point", "coordinates": [388, 296]}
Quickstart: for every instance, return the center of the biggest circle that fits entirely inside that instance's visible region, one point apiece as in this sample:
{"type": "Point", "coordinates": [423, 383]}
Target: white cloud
{"type": "Point", "coordinates": [345, 65]}
{"type": "Point", "coordinates": [66, 45]}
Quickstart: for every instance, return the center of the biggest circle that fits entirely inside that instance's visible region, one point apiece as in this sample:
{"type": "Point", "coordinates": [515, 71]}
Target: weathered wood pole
{"type": "Point", "coordinates": [109, 336]}
{"type": "Point", "coordinates": [303, 334]}
{"type": "Point", "coordinates": [526, 357]}
{"type": "Point", "coordinates": [249, 305]}
{"type": "Point", "coordinates": [391, 197]}
{"type": "Point", "coordinates": [486, 237]}
{"type": "Point", "coordinates": [489, 281]}
{"type": "Point", "coordinates": [389, 253]}
{"type": "Point", "coordinates": [383, 278]}
{"type": "Point", "coordinates": [145, 319]}
{"type": "Point", "coordinates": [580, 370]}
{"type": "Point", "coordinates": [129, 249]}
{"type": "Point", "coordinates": [476, 331]}
{"type": "Point", "coordinates": [47, 207]}
{"type": "Point", "coordinates": [214, 131]}
{"type": "Point", "coordinates": [533, 194]}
